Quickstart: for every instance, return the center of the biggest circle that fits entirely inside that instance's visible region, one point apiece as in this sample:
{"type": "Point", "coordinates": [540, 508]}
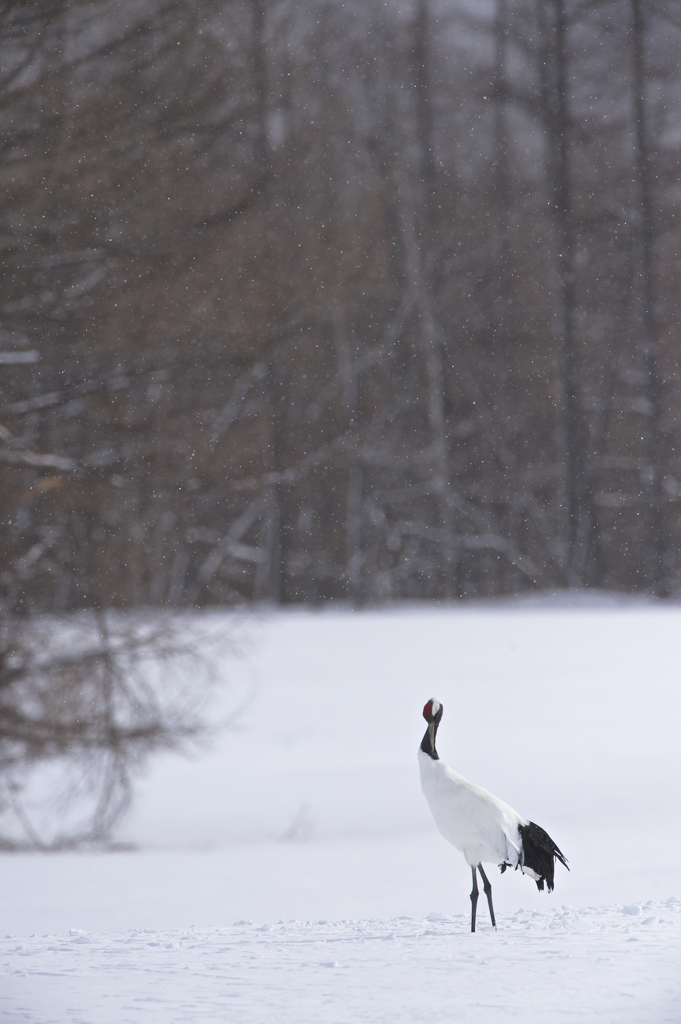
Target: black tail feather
{"type": "Point", "coordinates": [540, 853]}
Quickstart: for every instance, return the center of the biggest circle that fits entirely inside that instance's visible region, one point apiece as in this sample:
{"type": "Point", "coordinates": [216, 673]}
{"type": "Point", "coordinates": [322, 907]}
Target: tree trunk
{"type": "Point", "coordinates": [570, 427]}
{"type": "Point", "coordinates": [422, 270]}
{"type": "Point", "coordinates": [269, 574]}
{"type": "Point", "coordinates": [644, 311]}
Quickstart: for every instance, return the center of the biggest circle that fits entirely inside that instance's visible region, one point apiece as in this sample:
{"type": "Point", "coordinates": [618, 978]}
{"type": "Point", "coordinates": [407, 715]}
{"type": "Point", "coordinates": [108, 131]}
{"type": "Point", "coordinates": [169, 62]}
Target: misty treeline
{"type": "Point", "coordinates": [308, 301]}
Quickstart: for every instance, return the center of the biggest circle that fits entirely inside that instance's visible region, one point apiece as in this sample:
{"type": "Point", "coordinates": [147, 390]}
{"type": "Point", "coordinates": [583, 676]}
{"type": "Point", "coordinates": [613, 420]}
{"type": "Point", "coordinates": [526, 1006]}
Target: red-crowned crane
{"type": "Point", "coordinates": [483, 827]}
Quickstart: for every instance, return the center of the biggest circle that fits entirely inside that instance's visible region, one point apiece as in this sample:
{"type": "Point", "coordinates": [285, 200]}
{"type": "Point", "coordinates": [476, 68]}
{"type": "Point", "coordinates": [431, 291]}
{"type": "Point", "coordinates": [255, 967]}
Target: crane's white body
{"type": "Point", "coordinates": [472, 819]}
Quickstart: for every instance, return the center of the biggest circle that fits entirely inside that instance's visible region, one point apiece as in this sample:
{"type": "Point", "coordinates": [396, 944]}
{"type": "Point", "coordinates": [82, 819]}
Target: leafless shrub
{"type": "Point", "coordinates": [84, 703]}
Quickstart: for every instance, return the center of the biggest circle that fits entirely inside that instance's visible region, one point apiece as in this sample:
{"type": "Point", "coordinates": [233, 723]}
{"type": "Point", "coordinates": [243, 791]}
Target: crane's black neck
{"type": "Point", "coordinates": [428, 741]}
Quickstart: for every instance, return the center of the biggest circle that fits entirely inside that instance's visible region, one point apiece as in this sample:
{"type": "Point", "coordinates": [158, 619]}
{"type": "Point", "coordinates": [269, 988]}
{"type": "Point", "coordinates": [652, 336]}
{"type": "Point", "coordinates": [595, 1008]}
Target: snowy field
{"type": "Point", "coordinates": [293, 873]}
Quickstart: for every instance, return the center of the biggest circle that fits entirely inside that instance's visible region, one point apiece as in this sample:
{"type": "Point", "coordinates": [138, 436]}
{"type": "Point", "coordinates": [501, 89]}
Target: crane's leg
{"type": "Point", "coordinates": [474, 898]}
{"type": "Point", "coordinates": [488, 893]}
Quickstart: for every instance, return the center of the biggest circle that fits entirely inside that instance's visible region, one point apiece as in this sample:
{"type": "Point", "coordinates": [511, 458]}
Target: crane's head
{"type": "Point", "coordinates": [432, 712]}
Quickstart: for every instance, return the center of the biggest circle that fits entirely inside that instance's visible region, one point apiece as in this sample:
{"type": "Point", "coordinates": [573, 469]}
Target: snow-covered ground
{"type": "Point", "coordinates": [605, 965]}
{"type": "Point", "coordinates": [308, 809]}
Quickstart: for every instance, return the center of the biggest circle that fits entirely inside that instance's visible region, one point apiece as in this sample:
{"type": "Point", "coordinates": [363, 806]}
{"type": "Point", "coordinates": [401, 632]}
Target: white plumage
{"type": "Point", "coordinates": [479, 824]}
{"type": "Point", "coordinates": [483, 827]}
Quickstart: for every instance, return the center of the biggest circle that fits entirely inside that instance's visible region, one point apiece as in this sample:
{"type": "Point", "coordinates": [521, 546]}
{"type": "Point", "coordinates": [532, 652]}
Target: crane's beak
{"type": "Point", "coordinates": [431, 734]}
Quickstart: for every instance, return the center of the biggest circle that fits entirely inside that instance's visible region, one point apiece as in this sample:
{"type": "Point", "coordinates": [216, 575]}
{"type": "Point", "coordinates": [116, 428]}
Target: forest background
{"type": "Point", "coordinates": [316, 301]}
{"type": "Point", "coordinates": [319, 301]}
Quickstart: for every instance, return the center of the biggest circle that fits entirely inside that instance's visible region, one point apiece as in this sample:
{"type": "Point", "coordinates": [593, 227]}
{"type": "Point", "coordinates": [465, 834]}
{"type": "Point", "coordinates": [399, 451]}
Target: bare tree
{"type": "Point", "coordinates": [83, 706]}
{"type": "Point", "coordinates": [642, 225]}
{"type": "Point", "coordinates": [570, 429]}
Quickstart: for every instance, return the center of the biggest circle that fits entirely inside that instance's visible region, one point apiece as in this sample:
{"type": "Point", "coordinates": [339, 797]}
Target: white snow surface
{"type": "Point", "coordinates": [603, 964]}
{"type": "Point", "coordinates": [293, 872]}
